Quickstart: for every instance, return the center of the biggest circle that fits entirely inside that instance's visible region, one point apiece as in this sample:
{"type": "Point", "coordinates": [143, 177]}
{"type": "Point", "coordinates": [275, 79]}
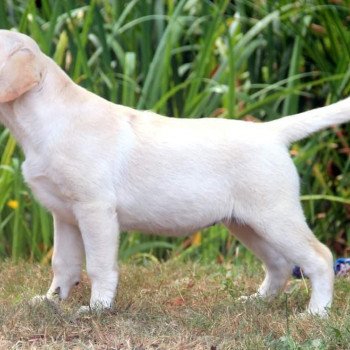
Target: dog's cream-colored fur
{"type": "Point", "coordinates": [102, 168]}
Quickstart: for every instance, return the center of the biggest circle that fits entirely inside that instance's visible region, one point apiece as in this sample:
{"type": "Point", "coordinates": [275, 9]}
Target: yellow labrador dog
{"type": "Point", "coordinates": [102, 168]}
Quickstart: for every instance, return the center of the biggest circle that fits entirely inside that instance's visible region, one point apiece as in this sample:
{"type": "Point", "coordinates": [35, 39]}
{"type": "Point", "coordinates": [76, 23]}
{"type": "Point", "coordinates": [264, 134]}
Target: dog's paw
{"type": "Point", "coordinates": [44, 300]}
{"type": "Point", "coordinates": [39, 299]}
{"type": "Point", "coordinates": [88, 310]}
{"type": "Point", "coordinates": [246, 298]}
{"type": "Point", "coordinates": [83, 310]}
{"type": "Point", "coordinates": [308, 316]}
{"type": "Point", "coordinates": [319, 312]}
{"type": "Point", "coordinates": [53, 298]}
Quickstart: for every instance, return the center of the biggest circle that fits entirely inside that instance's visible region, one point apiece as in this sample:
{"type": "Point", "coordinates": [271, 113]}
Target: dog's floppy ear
{"type": "Point", "coordinates": [18, 74]}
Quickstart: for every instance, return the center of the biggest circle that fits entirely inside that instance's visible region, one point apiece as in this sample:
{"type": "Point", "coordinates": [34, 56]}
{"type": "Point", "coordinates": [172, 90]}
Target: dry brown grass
{"type": "Point", "coordinates": [168, 306]}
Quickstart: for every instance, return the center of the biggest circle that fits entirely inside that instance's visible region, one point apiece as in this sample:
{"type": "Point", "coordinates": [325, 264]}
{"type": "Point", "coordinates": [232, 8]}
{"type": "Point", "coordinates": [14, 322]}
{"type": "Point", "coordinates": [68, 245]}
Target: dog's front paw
{"type": "Point", "coordinates": [96, 309]}
{"type": "Point", "coordinates": [49, 297]}
{"type": "Point", "coordinates": [83, 310]}
{"type": "Point", "coordinates": [47, 301]}
{"type": "Point", "coordinates": [39, 299]}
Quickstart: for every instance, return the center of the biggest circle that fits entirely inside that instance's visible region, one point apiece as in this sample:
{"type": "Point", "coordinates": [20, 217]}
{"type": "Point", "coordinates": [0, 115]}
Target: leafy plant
{"type": "Point", "coordinates": [192, 58]}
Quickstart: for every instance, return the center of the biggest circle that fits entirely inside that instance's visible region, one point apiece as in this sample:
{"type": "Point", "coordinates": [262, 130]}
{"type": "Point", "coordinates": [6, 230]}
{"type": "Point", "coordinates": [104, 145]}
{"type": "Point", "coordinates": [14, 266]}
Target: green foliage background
{"type": "Point", "coordinates": [255, 60]}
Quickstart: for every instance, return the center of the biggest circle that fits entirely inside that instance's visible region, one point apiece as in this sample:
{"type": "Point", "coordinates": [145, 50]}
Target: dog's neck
{"type": "Point", "coordinates": [36, 117]}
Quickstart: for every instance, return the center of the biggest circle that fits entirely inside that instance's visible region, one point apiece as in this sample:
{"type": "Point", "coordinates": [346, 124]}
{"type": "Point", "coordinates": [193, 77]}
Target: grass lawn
{"type": "Point", "coordinates": [171, 305]}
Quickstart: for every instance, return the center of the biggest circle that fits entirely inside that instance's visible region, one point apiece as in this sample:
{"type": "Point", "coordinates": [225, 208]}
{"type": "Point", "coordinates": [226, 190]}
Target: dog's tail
{"type": "Point", "coordinates": [296, 127]}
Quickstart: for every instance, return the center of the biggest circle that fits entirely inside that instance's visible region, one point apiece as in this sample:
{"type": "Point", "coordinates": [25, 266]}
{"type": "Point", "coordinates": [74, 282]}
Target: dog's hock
{"type": "Point", "coordinates": [18, 74]}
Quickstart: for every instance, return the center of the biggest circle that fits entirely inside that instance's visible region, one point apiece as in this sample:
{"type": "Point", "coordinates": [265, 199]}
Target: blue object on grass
{"type": "Point", "coordinates": [341, 268]}
{"type": "Point", "coordinates": [297, 272]}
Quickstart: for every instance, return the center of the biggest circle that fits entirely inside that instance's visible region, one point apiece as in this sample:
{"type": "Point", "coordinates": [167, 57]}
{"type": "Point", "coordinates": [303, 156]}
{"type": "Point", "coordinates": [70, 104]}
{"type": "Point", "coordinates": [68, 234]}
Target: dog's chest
{"type": "Point", "coordinates": [46, 189]}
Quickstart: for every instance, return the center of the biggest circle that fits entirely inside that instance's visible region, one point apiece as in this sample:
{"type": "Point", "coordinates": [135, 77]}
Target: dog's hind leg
{"type": "Point", "coordinates": [268, 202]}
{"type": "Point", "coordinates": [278, 269]}
{"type": "Point", "coordinates": [286, 231]}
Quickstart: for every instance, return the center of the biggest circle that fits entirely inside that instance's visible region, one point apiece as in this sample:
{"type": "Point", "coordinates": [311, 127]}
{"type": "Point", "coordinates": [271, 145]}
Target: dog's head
{"type": "Point", "coordinates": [19, 65]}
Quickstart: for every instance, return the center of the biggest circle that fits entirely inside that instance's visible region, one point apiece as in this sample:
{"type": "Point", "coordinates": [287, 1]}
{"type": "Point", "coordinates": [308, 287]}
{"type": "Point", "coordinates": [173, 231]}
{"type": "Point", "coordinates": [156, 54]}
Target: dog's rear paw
{"type": "Point", "coordinates": [246, 298]}
{"type": "Point", "coordinates": [310, 315]}
{"type": "Point", "coordinates": [322, 312]}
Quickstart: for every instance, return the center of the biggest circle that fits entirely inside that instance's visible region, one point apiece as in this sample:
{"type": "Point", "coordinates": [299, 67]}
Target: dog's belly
{"type": "Point", "coordinates": [175, 193]}
{"type": "Point", "coordinates": [174, 213]}
{"type": "Point", "coordinates": [168, 226]}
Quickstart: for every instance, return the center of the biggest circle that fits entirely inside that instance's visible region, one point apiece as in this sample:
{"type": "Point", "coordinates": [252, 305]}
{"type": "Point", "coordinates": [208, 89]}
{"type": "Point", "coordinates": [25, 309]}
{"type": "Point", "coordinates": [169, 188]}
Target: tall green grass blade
{"type": "Point", "coordinates": [149, 93]}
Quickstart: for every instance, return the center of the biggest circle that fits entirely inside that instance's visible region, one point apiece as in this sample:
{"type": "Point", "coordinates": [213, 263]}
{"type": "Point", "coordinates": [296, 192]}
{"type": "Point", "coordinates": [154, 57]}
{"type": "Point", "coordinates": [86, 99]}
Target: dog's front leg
{"type": "Point", "coordinates": [100, 231]}
{"type": "Point", "coordinates": [67, 260]}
